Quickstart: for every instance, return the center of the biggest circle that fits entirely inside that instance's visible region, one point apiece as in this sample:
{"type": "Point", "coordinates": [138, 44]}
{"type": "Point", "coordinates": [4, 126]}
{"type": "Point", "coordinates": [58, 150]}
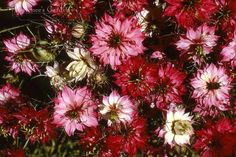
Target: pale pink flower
{"type": "Point", "coordinates": [211, 87]}
{"type": "Point", "coordinates": [117, 39]}
{"type": "Point", "coordinates": [74, 110]}
{"type": "Point", "coordinates": [16, 56]}
{"type": "Point", "coordinates": [229, 52]}
{"type": "Point", "coordinates": [196, 44]}
{"type": "Point", "coordinates": [23, 6]}
{"type": "Point", "coordinates": [8, 92]}
{"type": "Point", "coordinates": [117, 108]}
{"type": "Point", "coordinates": [178, 128]}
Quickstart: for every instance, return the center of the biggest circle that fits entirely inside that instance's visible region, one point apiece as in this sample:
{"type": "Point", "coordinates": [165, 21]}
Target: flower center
{"type": "Point", "coordinates": [213, 85]}
{"type": "Point", "coordinates": [72, 114]}
{"type": "Point", "coordinates": [135, 77]}
{"type": "Point", "coordinates": [161, 88]}
{"type": "Point", "coordinates": [181, 127]}
{"type": "Point", "coordinates": [114, 40]}
{"type": "Point", "coordinates": [188, 4]}
{"type": "Point", "coordinates": [113, 116]}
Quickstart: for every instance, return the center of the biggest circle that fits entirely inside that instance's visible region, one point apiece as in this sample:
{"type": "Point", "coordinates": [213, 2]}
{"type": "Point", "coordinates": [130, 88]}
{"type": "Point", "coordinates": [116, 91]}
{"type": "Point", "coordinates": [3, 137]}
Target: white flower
{"type": "Point", "coordinates": [142, 19]}
{"type": "Point", "coordinates": [117, 108]}
{"type": "Point", "coordinates": [82, 66]}
{"type": "Point", "coordinates": [54, 73]}
{"type": "Point", "coordinates": [178, 128]}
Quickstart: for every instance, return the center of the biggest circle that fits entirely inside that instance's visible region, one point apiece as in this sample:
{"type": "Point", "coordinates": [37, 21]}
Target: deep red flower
{"type": "Point", "coordinates": [169, 86]}
{"type": "Point", "coordinates": [127, 138]}
{"type": "Point", "coordinates": [72, 9]}
{"type": "Point", "coordinates": [129, 6]}
{"type": "Point", "coordinates": [90, 138]}
{"type": "Point", "coordinates": [37, 125]}
{"type": "Point", "coordinates": [217, 139]}
{"type": "Point", "coordinates": [190, 12]}
{"type": "Point", "coordinates": [136, 77]}
{"type": "Point", "coordinates": [13, 153]}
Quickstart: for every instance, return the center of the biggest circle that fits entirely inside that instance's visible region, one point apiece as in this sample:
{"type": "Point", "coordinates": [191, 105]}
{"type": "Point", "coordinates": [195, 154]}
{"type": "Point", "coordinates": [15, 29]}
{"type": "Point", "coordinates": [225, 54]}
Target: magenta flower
{"type": "Point", "coordinates": [196, 44]}
{"type": "Point", "coordinates": [23, 6]}
{"type": "Point", "coordinates": [74, 110]}
{"type": "Point", "coordinates": [116, 40]}
{"type": "Point", "coordinates": [7, 93]}
{"type": "Point", "coordinates": [211, 88]}
{"type": "Point", "coordinates": [117, 108]}
{"type": "Point", "coordinates": [16, 56]}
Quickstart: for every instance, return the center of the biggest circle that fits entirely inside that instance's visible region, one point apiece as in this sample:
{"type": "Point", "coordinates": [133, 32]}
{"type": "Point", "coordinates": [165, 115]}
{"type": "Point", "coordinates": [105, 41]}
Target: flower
{"type": "Point", "coordinates": [178, 127]}
{"type": "Point", "coordinates": [82, 66]}
{"type": "Point", "coordinates": [74, 110]}
{"type": "Point", "coordinates": [56, 80]}
{"type": "Point", "coordinates": [211, 87]}
{"type": "Point", "coordinates": [116, 40]}
{"type": "Point", "coordinates": [7, 92]}
{"type": "Point", "coordinates": [130, 5]}
{"type": "Point", "coordinates": [37, 125]}
{"type": "Point", "coordinates": [117, 108]}
{"type": "Point", "coordinates": [23, 6]}
{"type": "Point", "coordinates": [136, 77]}
{"type": "Point", "coordinates": [73, 9]}
{"type": "Point", "coordinates": [196, 44]}
{"type": "Point", "coordinates": [169, 86]}
{"type": "Point", "coordinates": [17, 58]}
{"type": "Point", "coordinates": [190, 12]}
{"type": "Point", "coordinates": [127, 138]}
{"type": "Point", "coordinates": [216, 139]}
{"type": "Point", "coordinates": [229, 52]}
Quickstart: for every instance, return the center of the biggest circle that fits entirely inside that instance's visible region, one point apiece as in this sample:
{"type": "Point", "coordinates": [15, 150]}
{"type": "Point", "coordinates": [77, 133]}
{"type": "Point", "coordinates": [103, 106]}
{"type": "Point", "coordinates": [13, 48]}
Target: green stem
{"type": "Point", "coordinates": [12, 28]}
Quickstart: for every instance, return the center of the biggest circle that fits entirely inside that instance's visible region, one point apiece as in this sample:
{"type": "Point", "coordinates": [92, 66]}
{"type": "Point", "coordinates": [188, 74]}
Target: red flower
{"type": "Point", "coordinates": [169, 87]}
{"type": "Point", "coordinates": [127, 138]}
{"type": "Point", "coordinates": [189, 12]}
{"type": "Point", "coordinates": [136, 77]}
{"type": "Point", "coordinates": [13, 153]}
{"type": "Point", "coordinates": [90, 138]}
{"type": "Point", "coordinates": [37, 125]}
{"type": "Point", "coordinates": [217, 139]}
{"type": "Point", "coordinates": [72, 9]}
{"type": "Point", "coordinates": [129, 6]}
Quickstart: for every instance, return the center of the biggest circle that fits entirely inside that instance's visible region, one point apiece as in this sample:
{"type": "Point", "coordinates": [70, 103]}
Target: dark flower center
{"type": "Point", "coordinates": [72, 114]}
{"type": "Point", "coordinates": [213, 85]}
{"type": "Point", "coordinates": [188, 4]}
{"type": "Point", "coordinates": [135, 77]}
{"type": "Point", "coordinates": [114, 40]}
{"type": "Point", "coordinates": [161, 88]}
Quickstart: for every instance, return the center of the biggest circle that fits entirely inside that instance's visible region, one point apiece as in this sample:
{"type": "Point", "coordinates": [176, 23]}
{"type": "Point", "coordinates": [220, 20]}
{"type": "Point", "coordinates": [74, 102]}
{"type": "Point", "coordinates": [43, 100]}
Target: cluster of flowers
{"type": "Point", "coordinates": [130, 77]}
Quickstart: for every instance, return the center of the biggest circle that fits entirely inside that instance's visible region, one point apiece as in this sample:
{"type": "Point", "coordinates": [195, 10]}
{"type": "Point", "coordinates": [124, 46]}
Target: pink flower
{"type": "Point", "coordinates": [229, 52]}
{"type": "Point", "coordinates": [7, 93]}
{"type": "Point", "coordinates": [22, 6]}
{"type": "Point", "coordinates": [116, 40]}
{"type": "Point", "coordinates": [17, 58]}
{"type": "Point", "coordinates": [117, 108]}
{"type": "Point", "coordinates": [196, 44]}
{"type": "Point", "coordinates": [211, 87]}
{"type": "Point", "coordinates": [74, 110]}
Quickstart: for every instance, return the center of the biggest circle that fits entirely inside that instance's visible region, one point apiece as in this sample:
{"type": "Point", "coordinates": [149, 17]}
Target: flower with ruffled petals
{"type": "Point", "coordinates": [17, 58]}
{"type": "Point", "coordinates": [217, 139]}
{"type": "Point", "coordinates": [117, 108]}
{"type": "Point", "coordinates": [37, 125]}
{"type": "Point", "coordinates": [130, 5]}
{"type": "Point", "coordinates": [189, 12]}
{"type": "Point", "coordinates": [82, 66]}
{"type": "Point", "coordinates": [229, 52]}
{"type": "Point", "coordinates": [211, 87]}
{"type": "Point", "coordinates": [169, 86]}
{"type": "Point", "coordinates": [135, 77]}
{"type": "Point", "coordinates": [74, 110]}
{"type": "Point", "coordinates": [116, 40]}
{"type": "Point", "coordinates": [23, 6]}
{"type": "Point", "coordinates": [73, 9]}
{"type": "Point", "coordinates": [196, 44]}
{"type": "Point", "coordinates": [178, 128]}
